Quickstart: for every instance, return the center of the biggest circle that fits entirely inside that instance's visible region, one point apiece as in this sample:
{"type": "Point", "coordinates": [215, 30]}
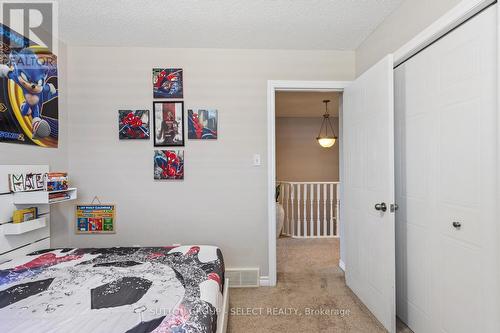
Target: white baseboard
{"type": "Point", "coordinates": [264, 281]}
{"type": "Point", "coordinates": [341, 265]}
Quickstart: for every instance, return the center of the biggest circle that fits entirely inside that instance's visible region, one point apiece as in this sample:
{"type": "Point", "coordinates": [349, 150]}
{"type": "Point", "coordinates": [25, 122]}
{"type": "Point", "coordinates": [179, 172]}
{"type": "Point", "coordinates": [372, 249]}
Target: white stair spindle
{"type": "Point", "coordinates": [304, 211]}
{"type": "Point", "coordinates": [331, 233]}
{"type": "Point", "coordinates": [288, 219]}
{"type": "Point", "coordinates": [280, 197]}
{"type": "Point", "coordinates": [283, 205]}
{"type": "Point", "coordinates": [318, 198]}
{"type": "Point", "coordinates": [284, 197]}
{"type": "Point", "coordinates": [299, 219]}
{"type": "Point", "coordinates": [311, 212]}
{"type": "Point", "coordinates": [325, 231]}
{"type": "Point", "coordinates": [292, 209]}
{"type": "Point", "coordinates": [337, 208]}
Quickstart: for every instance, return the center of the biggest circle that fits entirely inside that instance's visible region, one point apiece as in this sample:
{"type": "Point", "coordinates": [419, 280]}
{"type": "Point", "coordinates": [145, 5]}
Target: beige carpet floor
{"type": "Point", "coordinates": [311, 295]}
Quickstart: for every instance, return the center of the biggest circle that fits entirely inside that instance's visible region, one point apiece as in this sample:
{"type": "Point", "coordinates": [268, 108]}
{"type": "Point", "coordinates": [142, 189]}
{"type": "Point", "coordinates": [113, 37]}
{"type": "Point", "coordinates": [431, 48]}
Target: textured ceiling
{"type": "Point", "coordinates": [305, 104]}
{"type": "Point", "coordinates": [248, 24]}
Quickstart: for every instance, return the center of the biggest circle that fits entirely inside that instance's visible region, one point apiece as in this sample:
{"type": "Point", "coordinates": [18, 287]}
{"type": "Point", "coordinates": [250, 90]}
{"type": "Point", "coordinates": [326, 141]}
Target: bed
{"type": "Point", "coordinates": [123, 289]}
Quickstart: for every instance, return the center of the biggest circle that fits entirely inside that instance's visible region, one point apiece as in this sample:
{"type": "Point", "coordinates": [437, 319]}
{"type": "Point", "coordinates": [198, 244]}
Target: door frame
{"type": "Point", "coordinates": [272, 87]}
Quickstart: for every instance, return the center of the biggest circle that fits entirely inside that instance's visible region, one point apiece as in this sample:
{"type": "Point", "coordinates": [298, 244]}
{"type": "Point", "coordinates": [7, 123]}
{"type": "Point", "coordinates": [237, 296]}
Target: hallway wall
{"type": "Point", "coordinates": [299, 157]}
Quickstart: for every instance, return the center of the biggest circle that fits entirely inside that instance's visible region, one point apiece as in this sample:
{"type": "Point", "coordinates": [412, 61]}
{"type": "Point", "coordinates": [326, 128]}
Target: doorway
{"type": "Point", "coordinates": [307, 181]}
{"type": "Point", "coordinates": [273, 88]}
{"type": "Point", "coordinates": [307, 174]}
{"type": "Point", "coordinates": [378, 250]}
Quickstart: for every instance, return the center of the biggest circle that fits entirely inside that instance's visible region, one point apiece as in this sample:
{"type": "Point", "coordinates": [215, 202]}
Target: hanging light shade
{"type": "Point", "coordinates": [325, 139]}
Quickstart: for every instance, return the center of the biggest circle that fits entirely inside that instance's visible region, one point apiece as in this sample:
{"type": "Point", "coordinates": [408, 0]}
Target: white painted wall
{"type": "Point", "coordinates": [223, 199]}
{"type": "Point", "coordinates": [410, 18]}
{"type": "Point", "coordinates": [56, 158]}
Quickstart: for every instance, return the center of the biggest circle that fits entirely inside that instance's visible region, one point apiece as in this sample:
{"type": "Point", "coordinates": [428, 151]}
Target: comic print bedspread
{"type": "Point", "coordinates": [123, 289]}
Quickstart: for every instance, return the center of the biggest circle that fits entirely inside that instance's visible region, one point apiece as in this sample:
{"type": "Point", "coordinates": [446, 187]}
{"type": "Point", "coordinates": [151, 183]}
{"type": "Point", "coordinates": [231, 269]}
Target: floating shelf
{"type": "Point", "coordinates": [24, 227]}
{"type": "Point", "coordinates": [42, 197]}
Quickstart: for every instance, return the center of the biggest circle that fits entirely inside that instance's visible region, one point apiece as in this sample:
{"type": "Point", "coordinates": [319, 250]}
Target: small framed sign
{"type": "Point", "coordinates": [95, 219]}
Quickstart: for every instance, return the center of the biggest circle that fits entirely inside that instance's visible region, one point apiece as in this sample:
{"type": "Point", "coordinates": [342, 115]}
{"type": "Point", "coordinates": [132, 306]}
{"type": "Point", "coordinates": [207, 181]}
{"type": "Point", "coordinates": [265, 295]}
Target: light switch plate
{"type": "Point", "coordinates": [256, 160]}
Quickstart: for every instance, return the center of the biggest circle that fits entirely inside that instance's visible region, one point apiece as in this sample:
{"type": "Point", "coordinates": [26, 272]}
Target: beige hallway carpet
{"type": "Point", "coordinates": [311, 295]}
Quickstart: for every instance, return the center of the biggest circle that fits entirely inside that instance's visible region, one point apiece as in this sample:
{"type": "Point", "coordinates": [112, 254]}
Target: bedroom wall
{"type": "Point", "coordinates": [56, 158]}
{"type": "Point", "coordinates": [222, 200]}
{"type": "Point", "coordinates": [299, 157]}
{"type": "Point", "coordinates": [410, 18]}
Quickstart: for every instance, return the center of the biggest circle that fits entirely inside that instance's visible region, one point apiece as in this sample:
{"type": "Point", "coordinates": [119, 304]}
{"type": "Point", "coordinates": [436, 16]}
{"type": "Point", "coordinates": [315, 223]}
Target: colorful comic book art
{"type": "Point", "coordinates": [169, 165]}
{"type": "Point", "coordinates": [28, 92]}
{"type": "Point", "coordinates": [202, 124]}
{"type": "Point", "coordinates": [133, 124]}
{"type": "Point", "coordinates": [167, 83]}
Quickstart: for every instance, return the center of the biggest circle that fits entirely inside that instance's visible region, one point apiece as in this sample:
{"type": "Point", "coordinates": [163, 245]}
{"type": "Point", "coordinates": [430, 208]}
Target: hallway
{"type": "Point", "coordinates": [309, 280]}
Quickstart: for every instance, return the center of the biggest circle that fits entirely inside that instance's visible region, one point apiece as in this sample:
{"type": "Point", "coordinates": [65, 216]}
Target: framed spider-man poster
{"type": "Point", "coordinates": [168, 165]}
{"type": "Point", "coordinates": [168, 121]}
{"type": "Point", "coordinates": [167, 83]}
{"type": "Point", "coordinates": [202, 124]}
{"type": "Point", "coordinates": [133, 124]}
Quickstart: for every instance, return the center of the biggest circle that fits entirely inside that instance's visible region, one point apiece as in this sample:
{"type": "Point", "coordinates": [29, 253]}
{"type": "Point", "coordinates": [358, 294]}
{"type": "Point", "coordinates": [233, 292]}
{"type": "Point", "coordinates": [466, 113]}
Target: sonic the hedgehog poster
{"type": "Point", "coordinates": [28, 91]}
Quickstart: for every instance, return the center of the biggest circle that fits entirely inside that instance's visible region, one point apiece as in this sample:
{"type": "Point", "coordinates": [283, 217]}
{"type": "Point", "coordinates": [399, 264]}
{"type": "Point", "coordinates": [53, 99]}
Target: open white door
{"type": "Point", "coordinates": [368, 151]}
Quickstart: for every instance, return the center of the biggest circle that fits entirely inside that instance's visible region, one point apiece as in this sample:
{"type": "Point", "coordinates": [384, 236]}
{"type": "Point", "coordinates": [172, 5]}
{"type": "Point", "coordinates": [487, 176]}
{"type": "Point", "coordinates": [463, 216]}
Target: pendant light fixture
{"type": "Point", "coordinates": [326, 140]}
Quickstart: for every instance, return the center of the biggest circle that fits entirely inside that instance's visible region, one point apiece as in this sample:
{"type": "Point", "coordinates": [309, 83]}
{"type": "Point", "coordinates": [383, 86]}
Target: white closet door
{"type": "Point", "coordinates": [368, 148]}
{"type": "Point", "coordinates": [446, 163]}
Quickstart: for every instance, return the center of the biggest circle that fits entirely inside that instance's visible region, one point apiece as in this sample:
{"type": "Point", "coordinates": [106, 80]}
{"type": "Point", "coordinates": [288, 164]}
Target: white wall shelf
{"type": "Point", "coordinates": [24, 227]}
{"type": "Point", "coordinates": [42, 197]}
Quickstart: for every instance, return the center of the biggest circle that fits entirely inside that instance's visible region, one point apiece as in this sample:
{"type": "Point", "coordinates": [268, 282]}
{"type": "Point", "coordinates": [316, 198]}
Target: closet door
{"type": "Point", "coordinates": [368, 149]}
{"type": "Point", "coordinates": [446, 169]}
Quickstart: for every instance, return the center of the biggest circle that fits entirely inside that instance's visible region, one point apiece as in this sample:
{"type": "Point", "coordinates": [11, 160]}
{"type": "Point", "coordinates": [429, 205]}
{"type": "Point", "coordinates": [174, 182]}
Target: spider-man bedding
{"type": "Point", "coordinates": [154, 289]}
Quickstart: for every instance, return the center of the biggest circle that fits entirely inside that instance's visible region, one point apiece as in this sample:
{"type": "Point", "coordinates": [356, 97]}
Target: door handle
{"type": "Point", "coordinates": [381, 207]}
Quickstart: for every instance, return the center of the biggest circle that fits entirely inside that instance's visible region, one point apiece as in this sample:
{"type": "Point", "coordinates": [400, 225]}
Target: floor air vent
{"type": "Point", "coordinates": [243, 277]}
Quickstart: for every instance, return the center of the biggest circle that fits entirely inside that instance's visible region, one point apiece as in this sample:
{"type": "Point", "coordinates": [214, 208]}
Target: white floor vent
{"type": "Point", "coordinates": [243, 277]}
